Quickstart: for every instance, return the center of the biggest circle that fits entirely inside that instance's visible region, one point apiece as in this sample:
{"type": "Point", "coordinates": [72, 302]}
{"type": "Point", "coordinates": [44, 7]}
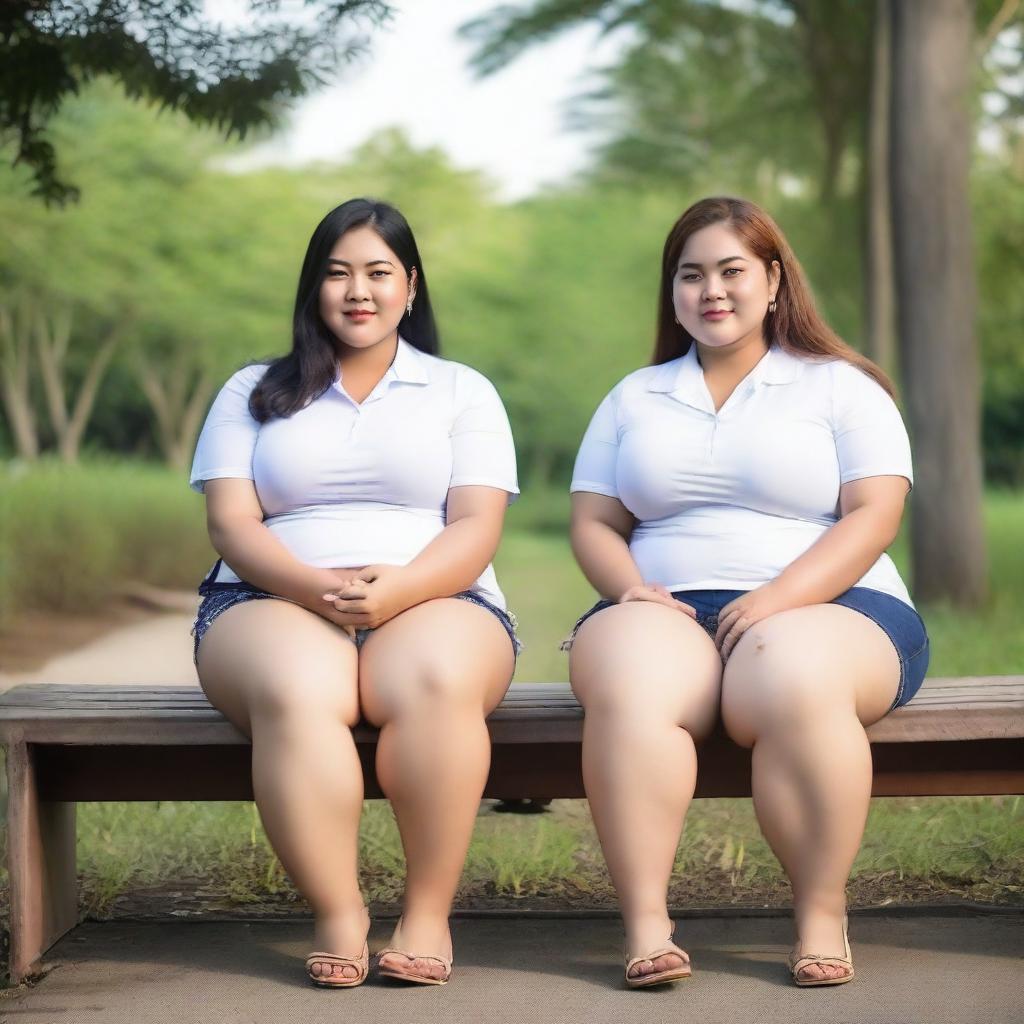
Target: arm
{"type": "Point", "coordinates": [234, 520]}
{"type": "Point", "coordinates": [599, 530]}
{"type": "Point", "coordinates": [449, 564]}
{"type": "Point", "coordinates": [870, 514]}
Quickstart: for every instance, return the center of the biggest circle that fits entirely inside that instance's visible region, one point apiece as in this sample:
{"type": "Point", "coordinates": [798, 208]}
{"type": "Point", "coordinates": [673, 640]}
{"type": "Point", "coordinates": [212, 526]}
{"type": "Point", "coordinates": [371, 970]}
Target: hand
{"type": "Point", "coordinates": [656, 594]}
{"type": "Point", "coordinates": [739, 615]}
{"type": "Point", "coordinates": [373, 595]}
{"type": "Point", "coordinates": [327, 579]}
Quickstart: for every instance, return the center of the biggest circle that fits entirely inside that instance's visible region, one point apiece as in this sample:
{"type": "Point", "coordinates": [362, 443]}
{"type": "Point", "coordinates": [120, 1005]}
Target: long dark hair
{"type": "Point", "coordinates": [796, 325]}
{"type": "Point", "coordinates": [293, 381]}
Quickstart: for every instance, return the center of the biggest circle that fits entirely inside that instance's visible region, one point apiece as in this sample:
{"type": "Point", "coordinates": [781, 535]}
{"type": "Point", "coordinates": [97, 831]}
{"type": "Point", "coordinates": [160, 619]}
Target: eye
{"type": "Point", "coordinates": [335, 273]}
{"type": "Point", "coordinates": [688, 275]}
{"type": "Point", "coordinates": [731, 270]}
{"type": "Point", "coordinates": [383, 273]}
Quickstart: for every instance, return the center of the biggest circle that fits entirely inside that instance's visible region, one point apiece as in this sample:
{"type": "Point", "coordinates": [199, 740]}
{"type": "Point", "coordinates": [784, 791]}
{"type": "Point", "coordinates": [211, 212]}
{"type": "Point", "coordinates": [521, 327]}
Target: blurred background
{"type": "Point", "coordinates": [165, 163]}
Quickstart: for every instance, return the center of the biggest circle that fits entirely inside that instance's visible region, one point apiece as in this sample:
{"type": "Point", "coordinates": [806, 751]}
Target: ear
{"type": "Point", "coordinates": [774, 279]}
{"type": "Point", "coordinates": [413, 279]}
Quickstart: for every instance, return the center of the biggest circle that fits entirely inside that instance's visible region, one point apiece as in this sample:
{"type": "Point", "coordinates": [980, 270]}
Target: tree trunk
{"type": "Point", "coordinates": [879, 301]}
{"type": "Point", "coordinates": [178, 405]}
{"type": "Point", "coordinates": [53, 337]}
{"type": "Point", "coordinates": [930, 154]}
{"type": "Point", "coordinates": [16, 384]}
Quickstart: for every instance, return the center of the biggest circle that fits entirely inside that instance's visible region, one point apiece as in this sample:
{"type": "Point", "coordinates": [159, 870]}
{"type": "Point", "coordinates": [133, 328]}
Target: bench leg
{"type": "Point", "coordinates": [41, 862]}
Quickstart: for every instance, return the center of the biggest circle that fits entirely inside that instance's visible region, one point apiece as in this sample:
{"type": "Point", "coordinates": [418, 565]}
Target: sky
{"type": "Point", "coordinates": [509, 125]}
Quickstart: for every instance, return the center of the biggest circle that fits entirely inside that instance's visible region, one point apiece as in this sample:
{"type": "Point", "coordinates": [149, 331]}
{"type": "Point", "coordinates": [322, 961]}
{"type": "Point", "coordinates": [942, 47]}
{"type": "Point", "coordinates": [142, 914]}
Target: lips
{"type": "Point", "coordinates": [359, 315]}
{"type": "Point", "coordinates": [717, 314]}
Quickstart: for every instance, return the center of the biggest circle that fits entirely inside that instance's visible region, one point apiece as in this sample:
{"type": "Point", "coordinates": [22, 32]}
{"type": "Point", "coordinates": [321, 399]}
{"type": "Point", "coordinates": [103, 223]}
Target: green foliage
{"type": "Point", "coordinates": [71, 535]}
{"type": "Point", "coordinates": [167, 52]}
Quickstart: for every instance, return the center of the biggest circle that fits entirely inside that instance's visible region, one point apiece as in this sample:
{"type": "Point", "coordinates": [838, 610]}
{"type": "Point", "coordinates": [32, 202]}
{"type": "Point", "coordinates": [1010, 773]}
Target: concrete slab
{"type": "Point", "coordinates": [937, 968]}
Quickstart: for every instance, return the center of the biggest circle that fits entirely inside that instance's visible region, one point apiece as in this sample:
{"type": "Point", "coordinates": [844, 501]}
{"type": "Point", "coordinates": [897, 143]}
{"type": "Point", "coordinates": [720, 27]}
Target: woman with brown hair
{"type": "Point", "coordinates": [732, 503]}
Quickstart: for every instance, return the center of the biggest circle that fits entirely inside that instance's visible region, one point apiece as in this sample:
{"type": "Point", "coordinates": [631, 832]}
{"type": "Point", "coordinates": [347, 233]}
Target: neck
{"type": "Point", "coordinates": [735, 360]}
{"type": "Point", "coordinates": [373, 360]}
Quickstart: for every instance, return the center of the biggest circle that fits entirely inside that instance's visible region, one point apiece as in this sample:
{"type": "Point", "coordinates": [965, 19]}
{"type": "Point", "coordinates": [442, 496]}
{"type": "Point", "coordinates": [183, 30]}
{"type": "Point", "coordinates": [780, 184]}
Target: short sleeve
{"type": "Point", "coordinates": [599, 450]}
{"type": "Point", "coordinates": [228, 438]}
{"type": "Point", "coordinates": [483, 452]}
{"type": "Point", "coordinates": [871, 439]}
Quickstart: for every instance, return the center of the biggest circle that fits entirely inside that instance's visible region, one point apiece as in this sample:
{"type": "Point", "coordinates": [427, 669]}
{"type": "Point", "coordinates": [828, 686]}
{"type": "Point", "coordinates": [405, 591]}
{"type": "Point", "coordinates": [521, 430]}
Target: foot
{"type": "Point", "coordinates": [650, 937]}
{"type": "Point", "coordinates": [414, 936]}
{"type": "Point", "coordinates": [343, 935]}
{"type": "Point", "coordinates": [822, 941]}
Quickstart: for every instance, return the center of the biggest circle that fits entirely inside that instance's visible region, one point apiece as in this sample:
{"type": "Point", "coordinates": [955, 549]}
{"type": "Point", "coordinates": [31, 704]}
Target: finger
{"type": "Point", "coordinates": [687, 608]}
{"type": "Point", "coordinates": [733, 638]}
{"type": "Point", "coordinates": [725, 623]}
{"type": "Point", "coordinates": [367, 574]}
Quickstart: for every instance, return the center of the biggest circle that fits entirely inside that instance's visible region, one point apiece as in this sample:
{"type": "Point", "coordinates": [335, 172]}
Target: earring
{"type": "Point", "coordinates": [408, 307]}
{"type": "Point", "coordinates": [771, 306]}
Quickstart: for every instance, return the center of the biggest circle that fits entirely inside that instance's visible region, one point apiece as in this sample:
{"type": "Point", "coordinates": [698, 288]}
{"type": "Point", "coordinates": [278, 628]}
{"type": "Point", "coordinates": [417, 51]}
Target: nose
{"type": "Point", "coordinates": [357, 290]}
{"type": "Point", "coordinates": [714, 288]}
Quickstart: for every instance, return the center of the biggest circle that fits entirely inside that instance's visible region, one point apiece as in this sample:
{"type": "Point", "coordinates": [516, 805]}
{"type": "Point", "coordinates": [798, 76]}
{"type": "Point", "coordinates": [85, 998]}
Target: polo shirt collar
{"type": "Point", "coordinates": [409, 365]}
{"type": "Point", "coordinates": [683, 378]}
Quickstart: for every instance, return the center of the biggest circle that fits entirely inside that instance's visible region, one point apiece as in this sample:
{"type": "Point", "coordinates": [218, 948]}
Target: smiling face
{"type": "Point", "coordinates": [721, 290]}
{"type": "Point", "coordinates": [364, 293]}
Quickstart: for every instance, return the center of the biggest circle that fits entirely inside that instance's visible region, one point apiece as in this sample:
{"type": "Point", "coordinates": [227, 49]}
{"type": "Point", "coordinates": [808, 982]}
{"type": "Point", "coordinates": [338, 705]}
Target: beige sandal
{"type": "Point", "coordinates": [361, 963]}
{"type": "Point", "coordinates": [800, 961]}
{"type": "Point", "coordinates": [659, 977]}
{"type": "Point", "coordinates": [412, 976]}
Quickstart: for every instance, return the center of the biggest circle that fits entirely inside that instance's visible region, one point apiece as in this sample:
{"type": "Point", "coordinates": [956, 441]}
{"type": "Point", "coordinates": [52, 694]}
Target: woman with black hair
{"type": "Point", "coordinates": [356, 490]}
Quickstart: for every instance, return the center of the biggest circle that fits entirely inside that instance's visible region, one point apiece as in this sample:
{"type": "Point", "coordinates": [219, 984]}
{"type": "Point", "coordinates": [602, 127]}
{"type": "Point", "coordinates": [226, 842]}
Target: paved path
{"type": "Point", "coordinates": [155, 650]}
{"type": "Point", "coordinates": [934, 969]}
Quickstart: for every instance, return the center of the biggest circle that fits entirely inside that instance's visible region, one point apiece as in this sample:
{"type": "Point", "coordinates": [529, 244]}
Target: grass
{"type": "Point", "coordinates": [140, 522]}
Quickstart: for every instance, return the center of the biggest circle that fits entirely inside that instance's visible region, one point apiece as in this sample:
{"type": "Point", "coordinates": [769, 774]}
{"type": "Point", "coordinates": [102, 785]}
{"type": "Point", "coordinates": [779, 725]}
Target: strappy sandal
{"type": "Point", "coordinates": [659, 977]}
{"type": "Point", "coordinates": [800, 961]}
{"type": "Point", "coordinates": [361, 963]}
{"type": "Point", "coordinates": [417, 979]}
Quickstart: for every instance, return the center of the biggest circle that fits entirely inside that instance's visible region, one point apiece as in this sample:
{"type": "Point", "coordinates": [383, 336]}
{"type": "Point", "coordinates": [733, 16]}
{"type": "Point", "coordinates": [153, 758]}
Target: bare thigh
{"type": "Point", "coordinates": [441, 650]}
{"type": "Point", "coordinates": [268, 656]}
{"type": "Point", "coordinates": [650, 658]}
{"type": "Point", "coordinates": [821, 657]}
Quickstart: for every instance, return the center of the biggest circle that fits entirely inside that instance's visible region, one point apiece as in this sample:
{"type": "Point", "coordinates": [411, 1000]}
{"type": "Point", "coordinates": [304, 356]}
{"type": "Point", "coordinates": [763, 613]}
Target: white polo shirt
{"type": "Point", "coordinates": [344, 484]}
{"type": "Point", "coordinates": [727, 500]}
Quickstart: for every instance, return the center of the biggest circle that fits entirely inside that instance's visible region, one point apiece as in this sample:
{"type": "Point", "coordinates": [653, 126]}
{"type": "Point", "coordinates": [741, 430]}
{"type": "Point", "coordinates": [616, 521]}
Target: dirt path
{"type": "Point", "coordinates": [157, 649]}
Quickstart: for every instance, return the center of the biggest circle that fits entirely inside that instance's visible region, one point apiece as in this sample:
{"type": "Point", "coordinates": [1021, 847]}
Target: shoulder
{"type": "Point", "coordinates": [638, 385]}
{"type": "Point", "coordinates": [851, 382]}
{"type": "Point", "coordinates": [466, 381]}
{"type": "Point", "coordinates": [245, 379]}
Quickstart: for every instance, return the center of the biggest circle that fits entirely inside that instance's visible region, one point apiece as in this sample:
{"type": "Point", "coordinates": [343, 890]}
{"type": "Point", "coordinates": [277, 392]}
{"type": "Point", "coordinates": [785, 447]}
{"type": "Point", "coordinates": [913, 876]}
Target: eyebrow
{"type": "Point", "coordinates": [728, 259]}
{"type": "Point", "coordinates": [369, 263]}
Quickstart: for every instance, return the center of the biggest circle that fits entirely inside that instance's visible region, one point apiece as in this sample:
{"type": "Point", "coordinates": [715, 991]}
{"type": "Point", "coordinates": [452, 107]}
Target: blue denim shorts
{"type": "Point", "coordinates": [219, 597]}
{"type": "Point", "coordinates": [900, 623]}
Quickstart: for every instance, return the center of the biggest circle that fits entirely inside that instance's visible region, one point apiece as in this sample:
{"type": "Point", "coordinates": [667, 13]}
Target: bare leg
{"type": "Point", "coordinates": [648, 680]}
{"type": "Point", "coordinates": [428, 678]}
{"type": "Point", "coordinates": [800, 687]}
{"type": "Point", "coordinates": [287, 679]}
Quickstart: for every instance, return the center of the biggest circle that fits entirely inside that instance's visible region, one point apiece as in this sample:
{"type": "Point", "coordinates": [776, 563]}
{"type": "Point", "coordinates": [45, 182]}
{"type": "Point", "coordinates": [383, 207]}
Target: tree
{"type": "Point", "coordinates": [932, 57]}
{"type": "Point", "coordinates": [163, 50]}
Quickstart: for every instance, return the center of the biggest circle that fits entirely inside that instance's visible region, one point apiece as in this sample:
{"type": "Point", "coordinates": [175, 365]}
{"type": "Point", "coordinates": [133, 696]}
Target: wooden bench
{"type": "Point", "coordinates": [85, 743]}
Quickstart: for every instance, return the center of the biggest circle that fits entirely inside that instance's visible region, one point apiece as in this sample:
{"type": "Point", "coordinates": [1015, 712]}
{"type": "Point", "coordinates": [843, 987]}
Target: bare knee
{"type": "Point", "coordinates": [427, 689]}
{"type": "Point", "coordinates": [771, 685]}
{"type": "Point", "coordinates": [305, 696]}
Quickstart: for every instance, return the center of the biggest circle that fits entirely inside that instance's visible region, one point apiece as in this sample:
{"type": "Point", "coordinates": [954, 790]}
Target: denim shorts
{"type": "Point", "coordinates": [219, 597]}
{"type": "Point", "coordinates": [900, 623]}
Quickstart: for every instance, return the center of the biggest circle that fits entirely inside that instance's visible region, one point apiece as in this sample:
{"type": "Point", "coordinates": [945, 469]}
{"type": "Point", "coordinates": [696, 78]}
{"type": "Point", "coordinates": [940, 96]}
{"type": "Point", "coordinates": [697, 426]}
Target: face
{"type": "Point", "coordinates": [721, 290]}
{"type": "Point", "coordinates": [364, 295]}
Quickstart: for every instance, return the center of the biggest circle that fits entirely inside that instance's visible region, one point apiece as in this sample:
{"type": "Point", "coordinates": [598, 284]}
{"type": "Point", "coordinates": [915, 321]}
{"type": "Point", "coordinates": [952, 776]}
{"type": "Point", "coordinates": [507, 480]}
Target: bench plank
{"type": "Point", "coordinates": [943, 710]}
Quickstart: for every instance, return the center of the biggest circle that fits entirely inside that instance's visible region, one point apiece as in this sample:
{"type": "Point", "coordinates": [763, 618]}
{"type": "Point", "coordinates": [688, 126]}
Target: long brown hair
{"type": "Point", "coordinates": [796, 325]}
